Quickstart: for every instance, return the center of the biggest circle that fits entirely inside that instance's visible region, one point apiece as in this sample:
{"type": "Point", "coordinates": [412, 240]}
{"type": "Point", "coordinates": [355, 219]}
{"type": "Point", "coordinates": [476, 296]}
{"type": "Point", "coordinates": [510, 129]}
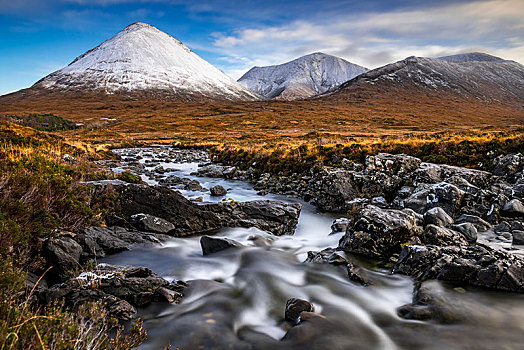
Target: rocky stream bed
{"type": "Point", "coordinates": [391, 254]}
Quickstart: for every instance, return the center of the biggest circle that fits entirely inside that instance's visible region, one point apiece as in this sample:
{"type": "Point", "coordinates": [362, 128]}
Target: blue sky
{"type": "Point", "coordinates": [40, 36]}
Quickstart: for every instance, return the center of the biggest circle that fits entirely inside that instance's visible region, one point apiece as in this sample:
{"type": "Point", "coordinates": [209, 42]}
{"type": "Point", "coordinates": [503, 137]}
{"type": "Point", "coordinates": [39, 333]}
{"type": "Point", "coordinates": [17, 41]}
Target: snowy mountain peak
{"type": "Point", "coordinates": [143, 60]}
{"type": "Point", "coordinates": [303, 77]}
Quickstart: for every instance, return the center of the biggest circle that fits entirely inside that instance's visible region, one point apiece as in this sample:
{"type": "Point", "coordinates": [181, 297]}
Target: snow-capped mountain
{"type": "Point", "coordinates": [472, 76]}
{"type": "Point", "coordinates": [144, 61]}
{"type": "Point", "coordinates": [301, 78]}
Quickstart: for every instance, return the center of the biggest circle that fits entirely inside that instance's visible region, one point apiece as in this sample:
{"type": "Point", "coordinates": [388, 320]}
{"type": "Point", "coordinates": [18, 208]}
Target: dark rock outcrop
{"type": "Point", "coordinates": [121, 289]}
{"type": "Point", "coordinates": [218, 191]}
{"type": "Point", "coordinates": [212, 245]}
{"type": "Point", "coordinates": [380, 233]}
{"type": "Point", "coordinates": [477, 265]}
{"type": "Point", "coordinates": [295, 307]}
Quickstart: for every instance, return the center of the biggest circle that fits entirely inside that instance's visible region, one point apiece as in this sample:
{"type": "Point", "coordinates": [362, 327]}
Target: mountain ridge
{"type": "Point", "coordinates": [300, 78]}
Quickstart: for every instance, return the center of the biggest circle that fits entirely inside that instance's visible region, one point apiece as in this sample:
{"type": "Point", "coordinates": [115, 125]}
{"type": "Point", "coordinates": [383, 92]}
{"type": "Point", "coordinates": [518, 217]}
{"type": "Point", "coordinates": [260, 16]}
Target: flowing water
{"type": "Point", "coordinates": [236, 298]}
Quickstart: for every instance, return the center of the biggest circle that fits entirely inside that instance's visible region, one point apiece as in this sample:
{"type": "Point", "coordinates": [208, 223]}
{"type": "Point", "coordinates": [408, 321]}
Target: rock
{"type": "Point", "coordinates": [379, 202]}
{"type": "Point", "coordinates": [468, 230]}
{"type": "Point", "coordinates": [437, 216]}
{"type": "Point", "coordinates": [294, 307]}
{"type": "Point", "coordinates": [340, 225]}
{"type": "Point", "coordinates": [187, 217]}
{"type": "Point", "coordinates": [326, 256]}
{"type": "Point", "coordinates": [274, 217]}
{"type": "Point", "coordinates": [99, 241]}
{"type": "Point", "coordinates": [442, 236]}
{"type": "Point", "coordinates": [63, 254]}
{"type": "Point", "coordinates": [190, 218]}
{"type": "Point", "coordinates": [308, 333]}
{"type": "Point", "coordinates": [508, 165]}
{"type": "Point", "coordinates": [260, 241]}
{"type": "Point", "coordinates": [380, 233]}
{"type": "Point", "coordinates": [518, 237]}
{"type": "Point", "coordinates": [431, 301]}
{"type": "Point", "coordinates": [479, 223]}
{"type": "Point", "coordinates": [514, 208]}
{"type": "Point", "coordinates": [120, 288]}
{"type": "Point", "coordinates": [444, 195]}
{"type": "Point", "coordinates": [181, 183]}
{"type": "Point", "coordinates": [218, 191]}
{"type": "Point", "coordinates": [391, 164]}
{"type": "Point", "coordinates": [334, 188]}
{"type": "Point", "coordinates": [330, 256]}
{"type": "Point", "coordinates": [150, 223]}
{"type": "Point", "coordinates": [217, 171]}
{"type": "Point", "coordinates": [212, 245]}
{"type": "Point", "coordinates": [477, 265]}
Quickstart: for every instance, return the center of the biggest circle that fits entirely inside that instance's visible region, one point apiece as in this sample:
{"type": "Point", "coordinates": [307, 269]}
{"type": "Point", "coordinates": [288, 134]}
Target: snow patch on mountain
{"type": "Point", "coordinates": [301, 78]}
{"type": "Point", "coordinates": [141, 58]}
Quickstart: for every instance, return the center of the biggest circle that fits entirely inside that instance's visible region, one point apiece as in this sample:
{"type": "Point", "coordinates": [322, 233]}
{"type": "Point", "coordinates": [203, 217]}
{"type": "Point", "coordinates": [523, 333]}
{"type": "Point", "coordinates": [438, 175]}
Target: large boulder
{"type": "Point", "coordinates": [340, 225]}
{"type": "Point", "coordinates": [99, 241]}
{"type": "Point", "coordinates": [444, 195]}
{"type": "Point", "coordinates": [477, 265]}
{"type": "Point", "coordinates": [508, 165]}
{"type": "Point", "coordinates": [276, 217]}
{"type": "Point", "coordinates": [334, 188]}
{"type": "Point", "coordinates": [215, 170]}
{"type": "Point", "coordinates": [468, 230]}
{"type": "Point", "coordinates": [62, 253]}
{"type": "Point", "coordinates": [330, 256]}
{"type": "Point", "coordinates": [380, 233]}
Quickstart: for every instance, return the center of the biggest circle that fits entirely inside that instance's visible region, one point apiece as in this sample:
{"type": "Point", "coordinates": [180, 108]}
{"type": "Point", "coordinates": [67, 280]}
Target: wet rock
{"type": "Point", "coordinates": [518, 237]}
{"type": "Point", "coordinates": [334, 188]}
{"type": "Point", "coordinates": [294, 307]}
{"type": "Point", "coordinates": [218, 191]}
{"type": "Point", "coordinates": [468, 230]}
{"type": "Point", "coordinates": [212, 245]}
{"type": "Point", "coordinates": [431, 301]}
{"type": "Point", "coordinates": [479, 223]}
{"type": "Point", "coordinates": [100, 241]}
{"type": "Point", "coordinates": [275, 217]}
{"type": "Point", "coordinates": [340, 225]}
{"type": "Point", "coordinates": [330, 256]}
{"type": "Point", "coordinates": [442, 236]}
{"type": "Point", "coordinates": [181, 183]}
{"type": "Point", "coordinates": [260, 241]}
{"type": "Point", "coordinates": [391, 164]}
{"type": "Point", "coordinates": [63, 254]}
{"type": "Point", "coordinates": [120, 288]}
{"type": "Point", "coordinates": [508, 165]}
{"type": "Point", "coordinates": [513, 208]}
{"type": "Point", "coordinates": [326, 256]}
{"type": "Point", "coordinates": [477, 265]}
{"type": "Point", "coordinates": [308, 333]}
{"type": "Point", "coordinates": [380, 233]}
{"type": "Point", "coordinates": [150, 223]}
{"type": "Point", "coordinates": [444, 195]}
{"type": "Point", "coordinates": [437, 216]}
{"type": "Point", "coordinates": [217, 171]}
{"type": "Point", "coordinates": [187, 217]}
{"type": "Point", "coordinates": [379, 202]}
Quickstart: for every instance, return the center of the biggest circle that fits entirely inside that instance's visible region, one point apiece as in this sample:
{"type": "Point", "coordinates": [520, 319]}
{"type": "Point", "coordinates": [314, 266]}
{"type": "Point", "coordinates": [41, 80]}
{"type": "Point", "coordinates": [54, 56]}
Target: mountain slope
{"type": "Point", "coordinates": [301, 78]}
{"type": "Point", "coordinates": [143, 61]}
{"type": "Point", "coordinates": [473, 76]}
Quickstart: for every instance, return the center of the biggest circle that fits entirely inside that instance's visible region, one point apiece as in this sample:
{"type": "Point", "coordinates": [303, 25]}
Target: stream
{"type": "Point", "coordinates": [236, 298]}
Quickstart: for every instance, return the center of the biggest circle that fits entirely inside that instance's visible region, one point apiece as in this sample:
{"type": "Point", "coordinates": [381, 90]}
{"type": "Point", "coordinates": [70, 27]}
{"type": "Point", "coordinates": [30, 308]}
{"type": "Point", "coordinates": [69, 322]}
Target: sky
{"type": "Point", "coordinates": [38, 37]}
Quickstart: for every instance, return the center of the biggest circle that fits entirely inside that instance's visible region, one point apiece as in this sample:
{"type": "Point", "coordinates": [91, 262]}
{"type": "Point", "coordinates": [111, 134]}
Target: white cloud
{"type": "Point", "coordinates": [375, 39]}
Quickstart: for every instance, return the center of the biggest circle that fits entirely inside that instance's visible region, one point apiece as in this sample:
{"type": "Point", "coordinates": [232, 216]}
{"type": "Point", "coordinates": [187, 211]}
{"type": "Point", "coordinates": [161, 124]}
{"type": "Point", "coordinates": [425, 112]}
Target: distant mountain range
{"type": "Point", "coordinates": [471, 76]}
{"type": "Point", "coordinates": [301, 78]}
{"type": "Point", "coordinates": [142, 63]}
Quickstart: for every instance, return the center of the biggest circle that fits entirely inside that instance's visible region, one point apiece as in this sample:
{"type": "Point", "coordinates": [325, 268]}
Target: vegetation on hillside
{"type": "Point", "coordinates": [474, 151]}
{"type": "Point", "coordinates": [41, 189]}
